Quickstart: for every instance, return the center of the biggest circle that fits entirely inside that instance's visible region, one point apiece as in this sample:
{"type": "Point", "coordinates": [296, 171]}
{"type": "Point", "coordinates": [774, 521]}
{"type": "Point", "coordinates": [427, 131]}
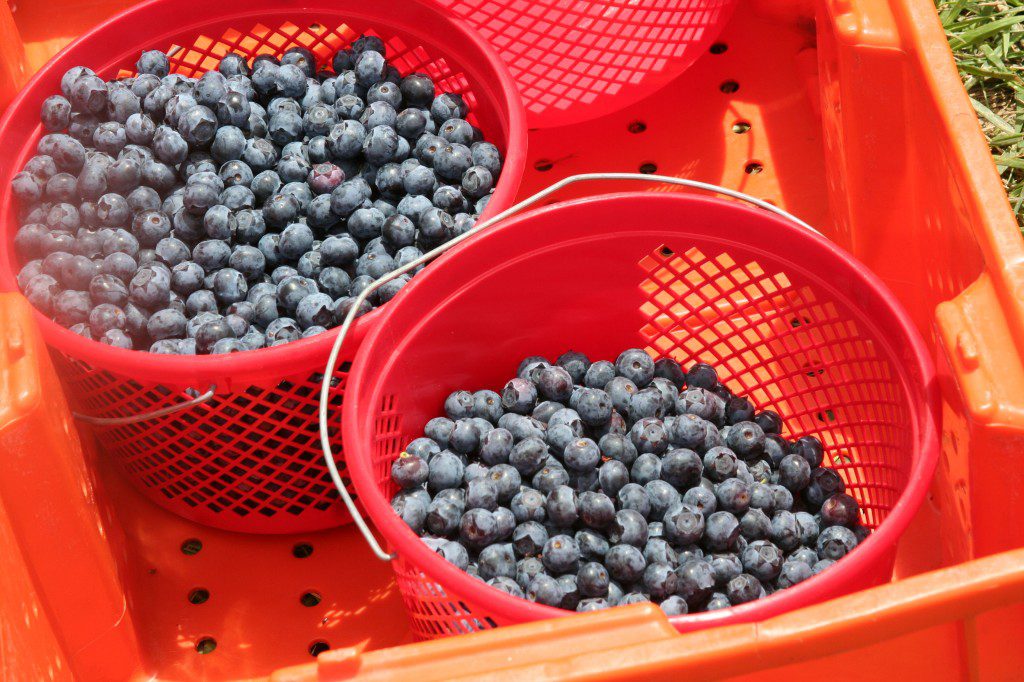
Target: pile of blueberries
{"type": "Point", "coordinates": [244, 209]}
{"type": "Point", "coordinates": [588, 485]}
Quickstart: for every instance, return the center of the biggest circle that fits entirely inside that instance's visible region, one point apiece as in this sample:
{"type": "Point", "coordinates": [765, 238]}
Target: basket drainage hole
{"type": "Point", "coordinates": [753, 168]}
{"type": "Point", "coordinates": [718, 48]}
{"type": "Point", "coordinates": [199, 595]}
{"type": "Point", "coordinates": [206, 645]}
{"type": "Point", "coordinates": [648, 168]}
{"type": "Point", "coordinates": [665, 251]}
{"type": "Point", "coordinates": [302, 550]}
{"type": "Point", "coordinates": [316, 28]}
{"type": "Point", "coordinates": [729, 87]}
{"type": "Point", "coordinates": [740, 127]}
{"type": "Point", "coordinates": [310, 598]}
{"type": "Point", "coordinates": [636, 127]}
{"type": "Point", "coordinates": [317, 647]}
{"type": "Point", "coordinates": [191, 546]}
{"type": "Point", "coordinates": [543, 165]}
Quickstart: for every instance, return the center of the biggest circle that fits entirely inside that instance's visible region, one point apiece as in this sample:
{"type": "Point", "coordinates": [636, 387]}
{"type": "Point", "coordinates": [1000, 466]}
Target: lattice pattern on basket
{"type": "Point", "coordinates": [784, 343]}
{"type": "Point", "coordinates": [251, 452]}
{"type": "Point", "coordinates": [573, 53]}
{"type": "Point", "coordinates": [788, 347]}
{"type": "Point", "coordinates": [323, 36]}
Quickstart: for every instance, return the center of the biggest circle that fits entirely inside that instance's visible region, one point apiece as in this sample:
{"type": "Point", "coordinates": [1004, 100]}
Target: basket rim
{"type": "Point", "coordinates": [877, 548]}
{"type": "Point", "coordinates": [224, 370]}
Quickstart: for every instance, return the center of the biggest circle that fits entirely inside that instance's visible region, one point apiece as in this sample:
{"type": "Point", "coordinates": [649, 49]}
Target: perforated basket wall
{"type": "Point", "coordinates": [249, 459]}
{"type": "Point", "coordinates": [579, 60]}
{"type": "Point", "coordinates": [789, 321]}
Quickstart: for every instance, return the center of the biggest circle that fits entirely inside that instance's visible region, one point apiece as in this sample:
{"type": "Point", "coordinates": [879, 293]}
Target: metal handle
{"type": "Point", "coordinates": [332, 361]}
{"type": "Point", "coordinates": [123, 421]}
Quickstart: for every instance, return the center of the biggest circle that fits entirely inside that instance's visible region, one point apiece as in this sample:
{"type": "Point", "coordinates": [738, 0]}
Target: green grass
{"type": "Point", "coordinates": [987, 37]}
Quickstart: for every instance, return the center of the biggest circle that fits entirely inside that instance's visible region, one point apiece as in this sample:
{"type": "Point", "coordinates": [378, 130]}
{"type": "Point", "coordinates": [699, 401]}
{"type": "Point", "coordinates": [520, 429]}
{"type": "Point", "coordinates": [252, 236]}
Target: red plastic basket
{"type": "Point", "coordinates": [248, 459]}
{"type": "Point", "coordinates": [792, 322]}
{"type": "Point", "coordinates": [578, 60]}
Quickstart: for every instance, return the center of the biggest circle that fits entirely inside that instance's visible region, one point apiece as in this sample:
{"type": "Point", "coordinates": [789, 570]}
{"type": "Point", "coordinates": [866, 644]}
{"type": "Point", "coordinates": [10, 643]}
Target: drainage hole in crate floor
{"type": "Point", "coordinates": [718, 48]}
{"type": "Point", "coordinates": [753, 168]}
{"type": "Point", "coordinates": [310, 598]}
{"type": "Point", "coordinates": [649, 168]}
{"type": "Point", "coordinates": [636, 127]}
{"type": "Point", "coordinates": [729, 87]}
{"type": "Point", "coordinates": [302, 550]}
{"type": "Point", "coordinates": [191, 546]}
{"type": "Point", "coordinates": [740, 127]}
{"type": "Point", "coordinates": [317, 647]}
{"type": "Point", "coordinates": [206, 645]}
{"type": "Point", "coordinates": [200, 595]}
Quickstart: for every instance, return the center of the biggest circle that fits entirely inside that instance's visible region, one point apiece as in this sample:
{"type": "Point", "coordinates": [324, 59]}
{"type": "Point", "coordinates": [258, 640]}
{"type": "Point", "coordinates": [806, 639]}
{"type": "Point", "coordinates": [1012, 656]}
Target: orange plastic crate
{"type": "Point", "coordinates": [849, 114]}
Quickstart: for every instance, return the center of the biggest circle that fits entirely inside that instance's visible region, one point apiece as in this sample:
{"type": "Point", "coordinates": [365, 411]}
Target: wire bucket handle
{"type": "Point", "coordinates": [332, 361]}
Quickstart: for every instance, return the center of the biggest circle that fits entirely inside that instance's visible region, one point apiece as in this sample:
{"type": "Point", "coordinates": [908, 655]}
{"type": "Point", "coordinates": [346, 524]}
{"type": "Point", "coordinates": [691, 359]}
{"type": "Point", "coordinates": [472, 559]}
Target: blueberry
{"type": "Point", "coordinates": [646, 468]}
{"type": "Point", "coordinates": [154, 62]}
{"type": "Point", "coordinates": [839, 510]}
{"type": "Point", "coordinates": [823, 484]}
{"type": "Point", "coordinates": [683, 524]}
{"type": "Point", "coordinates": [544, 589]}
{"type": "Point", "coordinates": [733, 496]}
{"type": "Point", "coordinates": [282, 330]}
{"type": "Point", "coordinates": [582, 455]}
{"type": "Point", "coordinates": [412, 510]}
{"type": "Point", "coordinates": [785, 531]}
{"type": "Point", "coordinates": [794, 473]}
{"type": "Point", "coordinates": [793, 572]}
{"type": "Point", "coordinates": [762, 559]}
{"type": "Point", "coordinates": [621, 391]}
{"type": "Point", "coordinates": [497, 561]}
{"type": "Point", "coordinates": [89, 94]}
{"type": "Point", "coordinates": [755, 525]}
{"type": "Point", "coordinates": [454, 553]}
{"type": "Point", "coordinates": [448, 105]}
{"type": "Point", "coordinates": [292, 290]}
{"type": "Point", "coordinates": [783, 498]}
{"type": "Point", "coordinates": [744, 588]}
{"type": "Point", "coordinates": [618, 447]}
{"type": "Point", "coordinates": [41, 291]}
{"type": "Point", "coordinates": [682, 468]}
{"type": "Point", "coordinates": [442, 518]}
{"type": "Point", "coordinates": [210, 333]}
{"type": "Point", "coordinates": [835, 542]}
{"type": "Point", "coordinates": [807, 528]}
{"type": "Point", "coordinates": [169, 145]}
{"type": "Point", "coordinates": [378, 113]}
{"type": "Point", "coordinates": [464, 438]}
{"type": "Point", "coordinates": [695, 582]}
{"type": "Point", "coordinates": [446, 471]}
{"type": "Point", "coordinates": [561, 555]}
{"type": "Point", "coordinates": [369, 68]}
{"type": "Point", "coordinates": [634, 497]}
{"type": "Point", "coordinates": [451, 161]}
{"type": "Point", "coordinates": [720, 463]}
{"type": "Point", "coordinates": [625, 563]}
{"type": "Point", "coordinates": [721, 531]}
{"type": "Point", "coordinates": [629, 527]}
{"type": "Point", "coordinates": [529, 539]}
{"type": "Point", "coordinates": [648, 435]}
{"type": "Point", "coordinates": [519, 396]}
{"type": "Point", "coordinates": [340, 251]}
{"type": "Point", "coordinates": [150, 288]}
{"type": "Point", "coordinates": [809, 448]}
{"type": "Point", "coordinates": [562, 506]}
{"type": "Point", "coordinates": [596, 510]}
